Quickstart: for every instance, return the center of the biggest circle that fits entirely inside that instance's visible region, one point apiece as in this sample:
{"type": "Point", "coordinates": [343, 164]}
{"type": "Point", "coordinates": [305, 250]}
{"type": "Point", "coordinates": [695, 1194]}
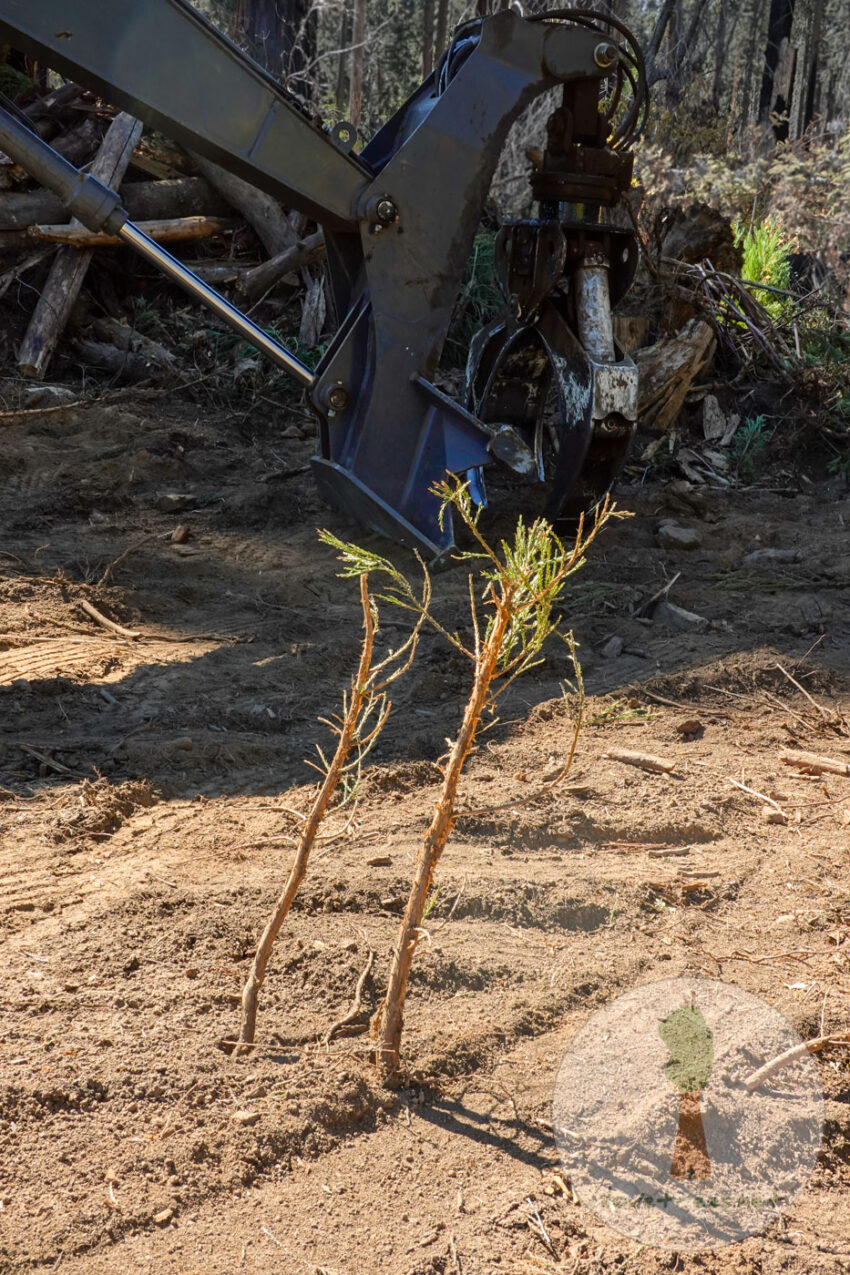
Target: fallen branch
{"type": "Point", "coordinates": [46, 761]}
{"type": "Point", "coordinates": [121, 363]}
{"type": "Point", "coordinates": [253, 283]}
{"type": "Point", "coordinates": [143, 200]}
{"type": "Point", "coordinates": [261, 211]}
{"type": "Point", "coordinates": [813, 764]}
{"type": "Point", "coordinates": [169, 230]}
{"type": "Point", "coordinates": [100, 618]}
{"type": "Point", "coordinates": [23, 413]}
{"type": "Point", "coordinates": [825, 714]}
{"type": "Point", "coordinates": [643, 761]}
{"type": "Point", "coordinates": [757, 1078]}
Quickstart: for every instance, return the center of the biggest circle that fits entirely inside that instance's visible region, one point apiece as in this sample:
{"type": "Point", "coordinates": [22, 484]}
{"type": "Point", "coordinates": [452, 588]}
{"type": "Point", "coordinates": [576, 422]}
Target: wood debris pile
{"type": "Point", "coordinates": [233, 236]}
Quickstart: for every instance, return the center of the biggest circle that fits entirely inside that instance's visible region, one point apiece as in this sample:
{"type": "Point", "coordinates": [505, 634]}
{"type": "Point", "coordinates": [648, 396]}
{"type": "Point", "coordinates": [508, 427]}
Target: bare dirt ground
{"type": "Point", "coordinates": [146, 786]}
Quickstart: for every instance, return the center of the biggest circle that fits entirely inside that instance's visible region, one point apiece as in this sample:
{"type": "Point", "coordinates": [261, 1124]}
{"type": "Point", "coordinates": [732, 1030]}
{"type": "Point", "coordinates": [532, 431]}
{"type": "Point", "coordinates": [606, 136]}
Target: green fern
{"type": "Point", "coordinates": [767, 260]}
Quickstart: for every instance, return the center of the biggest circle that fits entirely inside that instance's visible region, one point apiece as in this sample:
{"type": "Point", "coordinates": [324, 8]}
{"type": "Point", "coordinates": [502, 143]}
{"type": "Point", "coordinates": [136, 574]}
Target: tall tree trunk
{"type": "Point", "coordinates": [810, 73]}
{"type": "Point", "coordinates": [656, 39]}
{"type": "Point", "coordinates": [280, 35]}
{"type": "Point", "coordinates": [342, 60]}
{"type": "Point", "coordinates": [720, 45]}
{"type": "Point", "coordinates": [750, 68]}
{"type": "Point", "coordinates": [358, 30]}
{"type": "Point", "coordinates": [442, 37]}
{"type": "Point", "coordinates": [675, 55]}
{"type": "Point", "coordinates": [779, 23]}
{"type": "Point", "coordinates": [427, 39]}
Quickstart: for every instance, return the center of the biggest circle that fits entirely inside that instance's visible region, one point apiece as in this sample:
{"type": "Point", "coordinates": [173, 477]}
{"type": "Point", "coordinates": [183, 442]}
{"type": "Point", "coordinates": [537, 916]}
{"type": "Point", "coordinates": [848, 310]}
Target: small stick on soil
{"type": "Point", "coordinates": [643, 761]}
{"type": "Point", "coordinates": [117, 563]}
{"type": "Point", "coordinates": [757, 1078]}
{"type": "Point", "coordinates": [761, 796]}
{"type": "Point", "coordinates": [92, 610]}
{"type": "Point", "coordinates": [643, 607]}
{"type": "Point", "coordinates": [23, 413]}
{"type": "Point", "coordinates": [356, 1004]}
{"type": "Point", "coordinates": [536, 1224]}
{"type": "Point", "coordinates": [676, 703]}
{"type": "Point", "coordinates": [813, 764]}
{"type": "Point", "coordinates": [827, 717]}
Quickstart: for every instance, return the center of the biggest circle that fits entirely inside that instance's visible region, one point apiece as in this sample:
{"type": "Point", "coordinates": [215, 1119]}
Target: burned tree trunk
{"type": "Point", "coordinates": [427, 39]}
{"type": "Point", "coordinates": [280, 35]}
{"type": "Point", "coordinates": [355, 99]}
{"type": "Point", "coordinates": [808, 86]}
{"type": "Point", "coordinates": [779, 24]}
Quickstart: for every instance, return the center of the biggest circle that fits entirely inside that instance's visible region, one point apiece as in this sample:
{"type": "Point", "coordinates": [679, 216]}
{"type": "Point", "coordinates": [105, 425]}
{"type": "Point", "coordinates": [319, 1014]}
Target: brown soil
{"type": "Point", "coordinates": [143, 793]}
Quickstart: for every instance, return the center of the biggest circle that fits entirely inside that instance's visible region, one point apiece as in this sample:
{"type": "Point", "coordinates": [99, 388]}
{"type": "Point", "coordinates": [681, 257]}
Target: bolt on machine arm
{"type": "Point", "coordinates": [399, 220]}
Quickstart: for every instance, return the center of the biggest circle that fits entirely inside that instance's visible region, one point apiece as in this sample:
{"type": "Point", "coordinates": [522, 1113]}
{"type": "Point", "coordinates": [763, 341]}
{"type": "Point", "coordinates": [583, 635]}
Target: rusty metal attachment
{"type": "Point", "coordinates": [551, 366]}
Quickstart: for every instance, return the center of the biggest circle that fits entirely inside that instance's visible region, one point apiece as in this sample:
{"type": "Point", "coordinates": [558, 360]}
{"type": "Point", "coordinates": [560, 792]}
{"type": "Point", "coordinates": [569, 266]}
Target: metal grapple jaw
{"type": "Point", "coordinates": [548, 392]}
{"type": "Point", "coordinates": [551, 368]}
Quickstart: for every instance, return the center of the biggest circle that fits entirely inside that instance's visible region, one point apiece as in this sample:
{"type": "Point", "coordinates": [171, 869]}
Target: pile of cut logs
{"type": "Point", "coordinates": [177, 198]}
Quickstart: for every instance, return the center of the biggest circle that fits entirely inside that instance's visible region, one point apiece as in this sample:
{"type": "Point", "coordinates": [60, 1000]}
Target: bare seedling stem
{"type": "Point", "coordinates": [523, 582]}
{"type": "Point", "coordinates": [432, 848]}
{"type": "Point", "coordinates": [318, 810]}
{"type": "Point", "coordinates": [365, 710]}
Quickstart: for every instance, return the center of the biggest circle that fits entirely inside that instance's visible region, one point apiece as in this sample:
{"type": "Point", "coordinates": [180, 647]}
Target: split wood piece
{"type": "Point", "coordinates": [46, 761]}
{"type": "Point", "coordinates": [757, 1078]}
{"type": "Point", "coordinates": [143, 201]}
{"type": "Point", "coordinates": [100, 618]}
{"type": "Point", "coordinates": [78, 143]}
{"type": "Point", "coordinates": [644, 761]}
{"type": "Point", "coordinates": [127, 338]}
{"type": "Point", "coordinates": [631, 331]}
{"type": "Point", "coordinates": [339, 1027]}
{"type": "Point", "coordinates": [260, 210]}
{"type": "Point", "coordinates": [69, 269]}
{"type": "Point", "coordinates": [160, 159]}
{"type": "Point", "coordinates": [120, 364]}
{"type": "Point", "coordinates": [255, 282]}
{"type": "Point", "coordinates": [813, 764]}
{"type": "Point", "coordinates": [53, 101]}
{"type": "Point", "coordinates": [668, 369]}
{"type": "Point", "coordinates": [171, 230]}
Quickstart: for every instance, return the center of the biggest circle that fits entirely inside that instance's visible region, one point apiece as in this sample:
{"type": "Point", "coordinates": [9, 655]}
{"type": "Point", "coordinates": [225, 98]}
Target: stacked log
{"type": "Point", "coordinates": [175, 197]}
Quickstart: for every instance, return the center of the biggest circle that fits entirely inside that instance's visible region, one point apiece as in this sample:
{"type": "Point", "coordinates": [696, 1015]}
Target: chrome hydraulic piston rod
{"type": "Point", "coordinates": [99, 208]}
